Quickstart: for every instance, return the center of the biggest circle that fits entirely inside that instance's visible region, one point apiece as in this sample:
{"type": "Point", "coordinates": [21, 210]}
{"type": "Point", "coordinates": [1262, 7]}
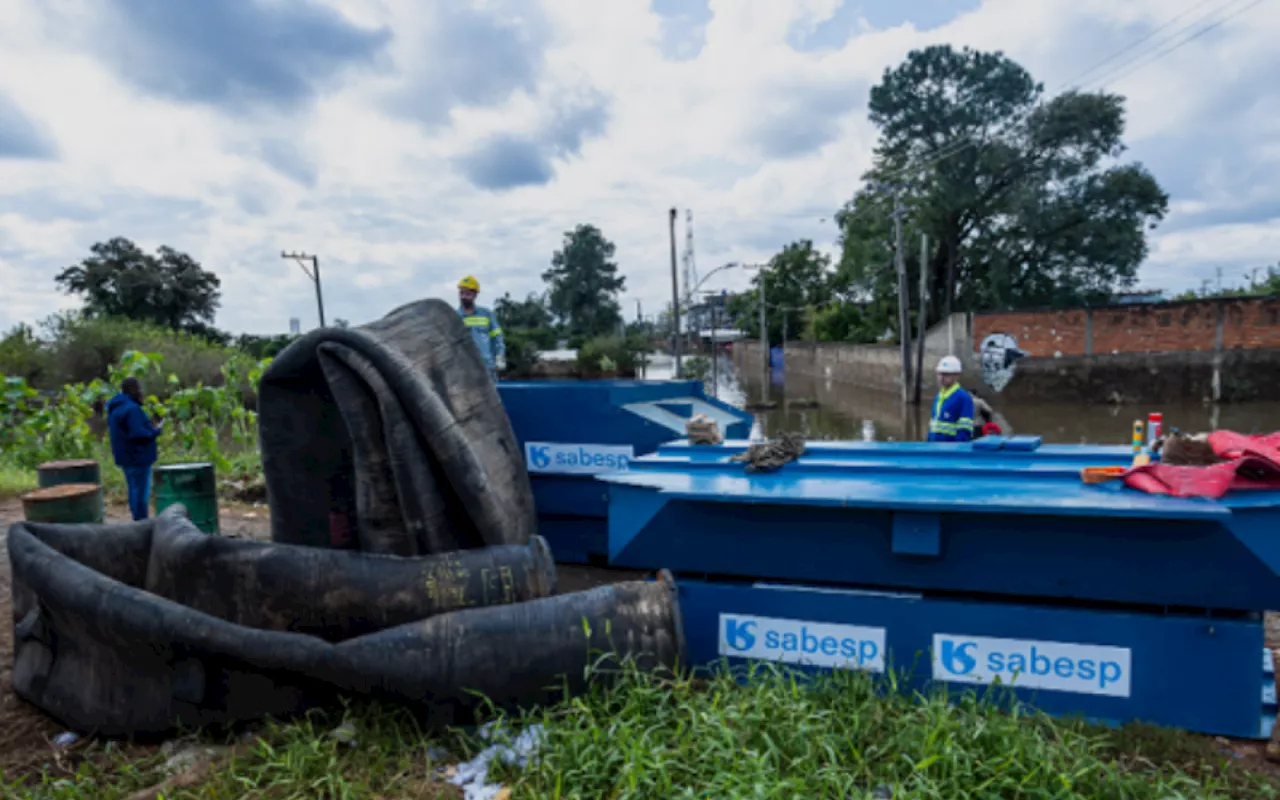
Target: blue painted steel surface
{"type": "Point", "coordinates": [1003, 542]}
{"type": "Point", "coordinates": [609, 421]}
{"type": "Point", "coordinates": [1001, 523]}
{"type": "Point", "coordinates": [1183, 671]}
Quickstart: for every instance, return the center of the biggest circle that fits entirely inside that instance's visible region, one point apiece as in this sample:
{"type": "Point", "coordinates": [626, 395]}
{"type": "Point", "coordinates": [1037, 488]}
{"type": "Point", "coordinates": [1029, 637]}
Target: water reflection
{"type": "Point", "coordinates": [821, 408]}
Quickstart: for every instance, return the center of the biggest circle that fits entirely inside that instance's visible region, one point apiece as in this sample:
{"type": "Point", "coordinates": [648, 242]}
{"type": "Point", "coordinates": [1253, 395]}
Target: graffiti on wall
{"type": "Point", "coordinates": [998, 355]}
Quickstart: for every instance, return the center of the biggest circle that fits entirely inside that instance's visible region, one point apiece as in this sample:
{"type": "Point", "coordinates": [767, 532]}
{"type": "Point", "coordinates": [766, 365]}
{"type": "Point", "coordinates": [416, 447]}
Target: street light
{"type": "Point", "coordinates": [764, 335]}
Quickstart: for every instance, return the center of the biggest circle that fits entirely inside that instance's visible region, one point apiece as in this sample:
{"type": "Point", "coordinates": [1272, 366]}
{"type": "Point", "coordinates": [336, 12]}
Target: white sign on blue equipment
{"type": "Point", "coordinates": [792, 641]}
{"type": "Point", "coordinates": [577, 459]}
{"type": "Point", "coordinates": [1056, 666]}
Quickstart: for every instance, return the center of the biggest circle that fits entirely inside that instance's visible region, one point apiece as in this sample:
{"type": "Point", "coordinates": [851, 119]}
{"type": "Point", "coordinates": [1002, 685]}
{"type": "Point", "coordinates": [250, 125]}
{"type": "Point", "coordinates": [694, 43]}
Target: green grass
{"type": "Point", "coordinates": [772, 738]}
{"type": "Point", "coordinates": [15, 480]}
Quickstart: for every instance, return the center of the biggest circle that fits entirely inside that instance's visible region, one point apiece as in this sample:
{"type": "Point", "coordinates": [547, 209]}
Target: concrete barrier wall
{"type": "Point", "coordinates": [1248, 370]}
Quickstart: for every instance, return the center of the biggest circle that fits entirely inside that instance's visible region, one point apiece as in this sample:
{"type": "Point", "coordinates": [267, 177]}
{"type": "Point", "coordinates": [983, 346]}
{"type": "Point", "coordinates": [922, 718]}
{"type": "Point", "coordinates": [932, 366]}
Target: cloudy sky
{"type": "Point", "coordinates": [409, 142]}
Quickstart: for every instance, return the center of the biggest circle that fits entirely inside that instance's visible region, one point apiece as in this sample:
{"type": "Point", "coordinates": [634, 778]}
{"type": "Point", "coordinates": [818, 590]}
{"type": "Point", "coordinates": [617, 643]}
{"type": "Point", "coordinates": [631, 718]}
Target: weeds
{"type": "Point", "coordinates": [15, 480]}
{"type": "Point", "coordinates": [772, 736]}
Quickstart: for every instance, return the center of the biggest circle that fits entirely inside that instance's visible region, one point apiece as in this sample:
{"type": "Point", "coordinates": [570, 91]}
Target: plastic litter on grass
{"type": "Point", "coordinates": [473, 776]}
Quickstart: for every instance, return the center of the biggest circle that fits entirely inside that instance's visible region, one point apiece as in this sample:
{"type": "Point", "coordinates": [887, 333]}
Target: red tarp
{"type": "Point", "coordinates": [1253, 462]}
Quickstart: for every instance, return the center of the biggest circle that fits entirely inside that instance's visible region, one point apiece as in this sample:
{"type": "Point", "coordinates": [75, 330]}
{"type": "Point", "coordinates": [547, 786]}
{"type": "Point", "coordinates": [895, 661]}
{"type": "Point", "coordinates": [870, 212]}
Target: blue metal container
{"type": "Point", "coordinates": [968, 562]}
{"type": "Point", "coordinates": [572, 431]}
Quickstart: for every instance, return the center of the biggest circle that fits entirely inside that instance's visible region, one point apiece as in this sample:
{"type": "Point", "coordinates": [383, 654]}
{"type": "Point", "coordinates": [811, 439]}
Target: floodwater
{"type": "Point", "coordinates": [826, 409]}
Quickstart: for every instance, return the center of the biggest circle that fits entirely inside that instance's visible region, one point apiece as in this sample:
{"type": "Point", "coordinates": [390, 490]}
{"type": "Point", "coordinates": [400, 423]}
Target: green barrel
{"type": "Point", "coordinates": [194, 486]}
{"type": "Point", "coordinates": [74, 470]}
{"type": "Point", "coordinates": [66, 502]}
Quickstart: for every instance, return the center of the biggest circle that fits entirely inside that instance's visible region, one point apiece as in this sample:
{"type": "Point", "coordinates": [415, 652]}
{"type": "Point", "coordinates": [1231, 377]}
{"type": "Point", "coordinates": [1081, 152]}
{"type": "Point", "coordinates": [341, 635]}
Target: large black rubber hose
{"type": "Point", "coordinates": [97, 650]}
{"type": "Point", "coordinates": [396, 429]}
{"type": "Point", "coordinates": [528, 653]}
{"type": "Point", "coordinates": [334, 594]}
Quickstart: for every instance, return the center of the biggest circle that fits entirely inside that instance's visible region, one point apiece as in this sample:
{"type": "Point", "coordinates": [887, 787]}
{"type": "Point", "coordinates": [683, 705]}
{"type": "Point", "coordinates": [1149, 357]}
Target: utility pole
{"type": "Point", "coordinates": [313, 274]}
{"type": "Point", "coordinates": [639, 316]}
{"type": "Point", "coordinates": [675, 299]}
{"type": "Point", "coordinates": [924, 314]}
{"type": "Point", "coordinates": [764, 332]}
{"type": "Point", "coordinates": [904, 322]}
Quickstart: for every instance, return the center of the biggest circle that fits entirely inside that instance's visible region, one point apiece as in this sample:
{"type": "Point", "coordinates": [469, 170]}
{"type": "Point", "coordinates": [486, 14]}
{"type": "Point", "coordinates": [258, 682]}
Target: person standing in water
{"type": "Point", "coordinates": [952, 417]}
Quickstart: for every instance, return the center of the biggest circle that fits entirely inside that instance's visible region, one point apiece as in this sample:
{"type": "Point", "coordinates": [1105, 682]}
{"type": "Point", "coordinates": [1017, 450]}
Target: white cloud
{"type": "Point", "coordinates": [392, 214]}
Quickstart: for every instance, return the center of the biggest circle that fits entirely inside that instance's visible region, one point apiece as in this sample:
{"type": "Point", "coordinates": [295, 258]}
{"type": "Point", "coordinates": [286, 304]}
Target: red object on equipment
{"type": "Point", "coordinates": [1251, 462]}
{"type": "Point", "coordinates": [990, 429]}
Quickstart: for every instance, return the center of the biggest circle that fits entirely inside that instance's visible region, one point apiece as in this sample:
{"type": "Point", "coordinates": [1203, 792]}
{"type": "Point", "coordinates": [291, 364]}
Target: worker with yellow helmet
{"type": "Point", "coordinates": [952, 417]}
{"type": "Point", "coordinates": [485, 331]}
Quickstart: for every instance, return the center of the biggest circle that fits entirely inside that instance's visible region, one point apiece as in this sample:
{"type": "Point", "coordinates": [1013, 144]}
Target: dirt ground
{"type": "Point", "coordinates": [26, 734]}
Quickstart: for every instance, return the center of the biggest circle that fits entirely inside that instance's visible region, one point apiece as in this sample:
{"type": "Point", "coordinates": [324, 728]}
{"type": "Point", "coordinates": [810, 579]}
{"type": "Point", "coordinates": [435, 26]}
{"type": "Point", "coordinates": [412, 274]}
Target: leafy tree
{"type": "Point", "coordinates": [530, 317]}
{"type": "Point", "coordinates": [1268, 285]}
{"type": "Point", "coordinates": [583, 284]}
{"type": "Point", "coordinates": [1023, 198]}
{"type": "Point", "coordinates": [796, 281]}
{"type": "Point", "coordinates": [169, 288]}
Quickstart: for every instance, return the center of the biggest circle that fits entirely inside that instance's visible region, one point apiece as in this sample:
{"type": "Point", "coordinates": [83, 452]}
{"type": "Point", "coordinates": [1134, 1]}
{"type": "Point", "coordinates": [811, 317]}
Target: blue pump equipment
{"type": "Point", "coordinates": [571, 431]}
{"type": "Point", "coordinates": [959, 564]}
{"type": "Point", "coordinates": [966, 564]}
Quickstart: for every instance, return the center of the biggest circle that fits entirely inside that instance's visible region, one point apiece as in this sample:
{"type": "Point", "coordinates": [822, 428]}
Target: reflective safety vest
{"type": "Point", "coordinates": [952, 418]}
{"type": "Point", "coordinates": [485, 333]}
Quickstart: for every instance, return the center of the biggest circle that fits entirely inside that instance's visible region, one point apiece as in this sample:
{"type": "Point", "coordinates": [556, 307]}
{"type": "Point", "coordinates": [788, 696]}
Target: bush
{"type": "Point", "coordinates": [204, 422]}
{"type": "Point", "coordinates": [611, 354]}
{"type": "Point", "coordinates": [77, 349]}
{"type": "Point", "coordinates": [522, 353]}
{"type": "Point", "coordinates": [697, 368]}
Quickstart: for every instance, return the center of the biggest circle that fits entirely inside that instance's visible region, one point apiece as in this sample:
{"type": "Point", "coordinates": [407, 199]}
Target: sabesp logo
{"type": "Point", "coordinates": [577, 459]}
{"type": "Point", "coordinates": [819, 644]}
{"type": "Point", "coordinates": [738, 634]}
{"type": "Point", "coordinates": [540, 457]}
{"type": "Point", "coordinates": [957, 658]}
{"type": "Point", "coordinates": [1058, 666]}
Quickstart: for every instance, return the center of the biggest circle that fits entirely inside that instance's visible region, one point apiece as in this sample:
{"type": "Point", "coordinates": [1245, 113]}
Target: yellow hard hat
{"type": "Point", "coordinates": [469, 282]}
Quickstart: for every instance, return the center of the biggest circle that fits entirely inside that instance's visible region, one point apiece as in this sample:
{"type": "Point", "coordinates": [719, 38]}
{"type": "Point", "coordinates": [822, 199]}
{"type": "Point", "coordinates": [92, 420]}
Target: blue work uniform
{"type": "Point", "coordinates": [486, 333]}
{"type": "Point", "coordinates": [952, 419]}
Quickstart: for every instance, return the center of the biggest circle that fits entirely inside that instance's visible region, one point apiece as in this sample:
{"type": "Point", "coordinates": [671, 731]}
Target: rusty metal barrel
{"type": "Point", "coordinates": [65, 502]}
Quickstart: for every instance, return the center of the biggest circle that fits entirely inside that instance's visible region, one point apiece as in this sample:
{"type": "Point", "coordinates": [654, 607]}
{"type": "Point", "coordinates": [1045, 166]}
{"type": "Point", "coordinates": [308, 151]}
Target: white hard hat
{"type": "Point", "coordinates": [949, 365]}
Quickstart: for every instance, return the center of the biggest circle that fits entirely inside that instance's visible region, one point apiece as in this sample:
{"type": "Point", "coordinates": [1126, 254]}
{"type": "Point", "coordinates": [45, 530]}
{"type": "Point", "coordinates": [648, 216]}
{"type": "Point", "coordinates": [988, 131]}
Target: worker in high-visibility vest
{"type": "Point", "coordinates": [483, 325]}
{"type": "Point", "coordinates": [952, 418]}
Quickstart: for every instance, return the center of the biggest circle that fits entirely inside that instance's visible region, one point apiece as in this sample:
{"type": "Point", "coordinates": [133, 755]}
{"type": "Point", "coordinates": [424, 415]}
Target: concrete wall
{"type": "Point", "coordinates": [870, 366]}
{"type": "Point", "coordinates": [1222, 351]}
{"type": "Point", "coordinates": [1230, 376]}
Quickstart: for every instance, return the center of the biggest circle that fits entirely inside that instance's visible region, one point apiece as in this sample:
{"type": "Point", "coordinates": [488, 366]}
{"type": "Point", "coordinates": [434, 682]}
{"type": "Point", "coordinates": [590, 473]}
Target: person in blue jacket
{"type": "Point", "coordinates": [133, 443]}
{"type": "Point", "coordinates": [484, 327]}
{"type": "Point", "coordinates": [952, 418]}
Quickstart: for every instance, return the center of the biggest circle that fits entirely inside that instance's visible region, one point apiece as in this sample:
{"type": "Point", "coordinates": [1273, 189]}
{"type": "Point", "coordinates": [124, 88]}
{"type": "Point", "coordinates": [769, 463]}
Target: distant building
{"type": "Point", "coordinates": [1138, 296]}
{"type": "Point", "coordinates": [295, 326]}
{"type": "Point", "coordinates": [711, 310]}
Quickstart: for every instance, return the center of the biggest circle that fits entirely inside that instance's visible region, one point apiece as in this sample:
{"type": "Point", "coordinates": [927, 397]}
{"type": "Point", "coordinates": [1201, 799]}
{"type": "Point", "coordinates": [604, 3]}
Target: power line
{"type": "Point", "coordinates": [950, 151]}
{"type": "Point", "coordinates": [1215, 25]}
{"type": "Point", "coordinates": [1146, 38]}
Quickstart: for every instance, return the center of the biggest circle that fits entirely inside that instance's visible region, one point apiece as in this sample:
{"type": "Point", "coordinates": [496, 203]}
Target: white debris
{"type": "Point", "coordinates": [65, 739]}
{"type": "Point", "coordinates": [473, 776]}
{"type": "Point", "coordinates": [344, 734]}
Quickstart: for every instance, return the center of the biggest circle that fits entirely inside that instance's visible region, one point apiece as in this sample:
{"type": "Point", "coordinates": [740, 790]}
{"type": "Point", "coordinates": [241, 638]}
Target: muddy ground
{"type": "Point", "coordinates": [26, 734]}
